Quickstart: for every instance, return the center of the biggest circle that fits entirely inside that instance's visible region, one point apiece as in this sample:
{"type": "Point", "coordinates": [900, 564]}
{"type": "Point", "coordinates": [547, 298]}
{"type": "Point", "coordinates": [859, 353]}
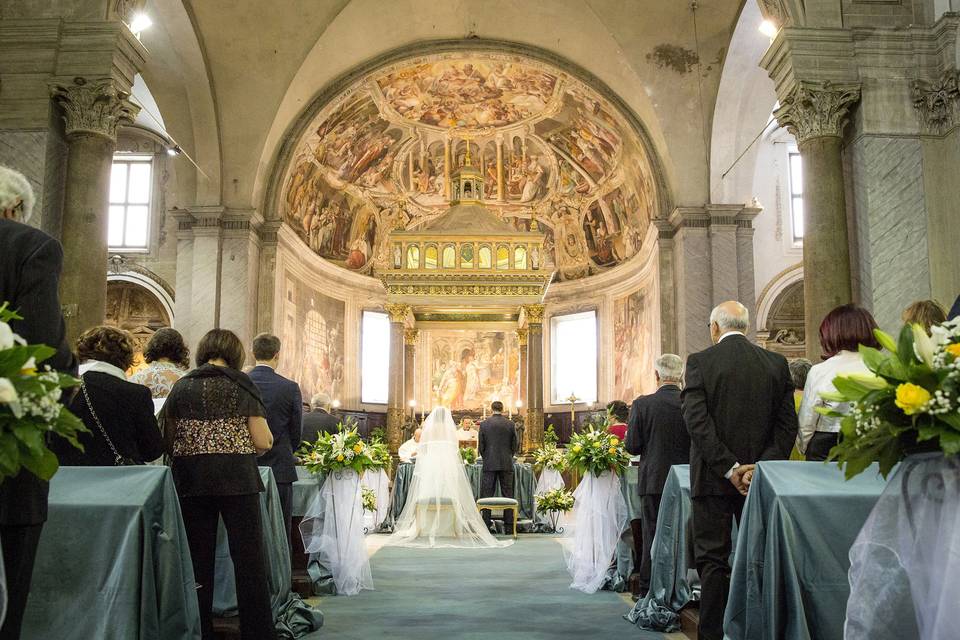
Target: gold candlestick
{"type": "Point", "coordinates": [572, 399]}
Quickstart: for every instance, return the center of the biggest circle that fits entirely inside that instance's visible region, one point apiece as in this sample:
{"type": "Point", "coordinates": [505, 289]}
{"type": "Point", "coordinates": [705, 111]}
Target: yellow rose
{"type": "Point", "coordinates": [613, 450]}
{"type": "Point", "coordinates": [358, 447]}
{"type": "Point", "coordinates": [954, 349]}
{"type": "Point", "coordinates": [912, 398]}
{"type": "Point", "coordinates": [577, 448]}
{"type": "Point", "coordinates": [340, 458]}
{"type": "Point", "coordinates": [597, 445]}
{"type": "Point", "coordinates": [614, 441]}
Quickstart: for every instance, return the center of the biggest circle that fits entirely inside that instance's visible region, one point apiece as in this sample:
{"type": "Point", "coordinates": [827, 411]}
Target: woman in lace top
{"type": "Point", "coordinates": [168, 358]}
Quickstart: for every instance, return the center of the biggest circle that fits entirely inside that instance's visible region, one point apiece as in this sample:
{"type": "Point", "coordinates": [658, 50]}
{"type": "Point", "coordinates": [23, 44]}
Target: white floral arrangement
{"type": "Point", "coordinates": [342, 450]}
{"type": "Point", "coordinates": [30, 405]}
{"type": "Point", "coordinates": [550, 456]}
{"type": "Point", "coordinates": [368, 498]}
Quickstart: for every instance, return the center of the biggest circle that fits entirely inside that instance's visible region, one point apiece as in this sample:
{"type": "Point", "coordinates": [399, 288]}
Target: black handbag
{"type": "Point", "coordinates": [119, 460]}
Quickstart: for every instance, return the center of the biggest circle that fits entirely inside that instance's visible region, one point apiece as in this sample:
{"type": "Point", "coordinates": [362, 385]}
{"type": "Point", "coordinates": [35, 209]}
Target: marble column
{"type": "Point", "coordinates": [533, 434]}
{"type": "Point", "coordinates": [92, 111]}
{"type": "Point", "coordinates": [522, 334]}
{"type": "Point", "coordinates": [396, 402]}
{"type": "Point", "coordinates": [409, 353]}
{"type": "Point", "coordinates": [815, 113]}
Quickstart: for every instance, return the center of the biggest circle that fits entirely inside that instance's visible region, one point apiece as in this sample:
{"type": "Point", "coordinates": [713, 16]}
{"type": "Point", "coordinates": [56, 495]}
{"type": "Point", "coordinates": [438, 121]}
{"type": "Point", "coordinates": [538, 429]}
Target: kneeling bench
{"type": "Point", "coordinates": [501, 504]}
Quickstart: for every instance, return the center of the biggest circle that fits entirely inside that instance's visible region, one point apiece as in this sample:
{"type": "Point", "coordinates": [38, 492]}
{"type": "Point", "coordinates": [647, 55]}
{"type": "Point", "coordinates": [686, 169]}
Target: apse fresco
{"type": "Point", "coordinates": [634, 351]}
{"type": "Point", "coordinates": [549, 147]}
{"type": "Point", "coordinates": [471, 369]}
{"type": "Point", "coordinates": [312, 339]}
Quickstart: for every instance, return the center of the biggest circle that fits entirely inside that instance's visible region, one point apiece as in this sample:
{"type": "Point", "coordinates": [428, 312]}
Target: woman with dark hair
{"type": "Point", "coordinates": [841, 334]}
{"type": "Point", "coordinates": [168, 358]}
{"type": "Point", "coordinates": [215, 428]}
{"type": "Point", "coordinates": [118, 413]}
{"type": "Point", "coordinates": [619, 412]}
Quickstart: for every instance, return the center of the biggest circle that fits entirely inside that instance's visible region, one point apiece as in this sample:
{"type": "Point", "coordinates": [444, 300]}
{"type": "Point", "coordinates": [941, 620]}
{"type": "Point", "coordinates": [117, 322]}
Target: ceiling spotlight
{"type": "Point", "coordinates": [175, 150]}
{"type": "Point", "coordinates": [769, 29]}
{"type": "Point", "coordinates": [140, 22]}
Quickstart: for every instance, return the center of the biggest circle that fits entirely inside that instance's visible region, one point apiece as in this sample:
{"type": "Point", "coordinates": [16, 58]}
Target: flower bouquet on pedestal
{"type": "Point", "coordinates": [468, 455]}
{"type": "Point", "coordinates": [342, 450]}
{"type": "Point", "coordinates": [30, 405]}
{"type": "Point", "coordinates": [600, 512]}
{"type": "Point", "coordinates": [553, 503]}
{"type": "Point", "coordinates": [905, 414]}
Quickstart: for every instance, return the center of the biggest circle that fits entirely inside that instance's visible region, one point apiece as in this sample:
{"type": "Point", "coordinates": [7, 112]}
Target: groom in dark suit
{"type": "Point", "coordinates": [282, 399]}
{"type": "Point", "coordinates": [497, 444]}
{"type": "Point", "coordinates": [738, 407]}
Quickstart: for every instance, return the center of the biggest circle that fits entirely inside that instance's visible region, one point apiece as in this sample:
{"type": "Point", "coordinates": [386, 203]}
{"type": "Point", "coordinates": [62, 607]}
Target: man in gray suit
{"type": "Point", "coordinates": [497, 444]}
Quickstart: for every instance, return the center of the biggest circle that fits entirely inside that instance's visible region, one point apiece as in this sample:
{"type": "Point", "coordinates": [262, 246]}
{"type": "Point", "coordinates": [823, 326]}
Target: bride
{"type": "Point", "coordinates": [440, 510]}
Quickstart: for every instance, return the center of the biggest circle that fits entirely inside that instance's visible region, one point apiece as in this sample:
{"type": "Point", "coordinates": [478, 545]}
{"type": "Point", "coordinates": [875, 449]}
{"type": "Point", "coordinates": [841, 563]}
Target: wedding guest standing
{"type": "Point", "coordinates": [319, 420]}
{"type": "Point", "coordinates": [619, 412]}
{"type": "Point", "coordinates": [657, 433]}
{"type": "Point", "coordinates": [117, 412]}
{"type": "Point", "coordinates": [282, 399]}
{"type": "Point", "coordinates": [168, 359]}
{"type": "Point", "coordinates": [842, 332]}
{"type": "Point", "coordinates": [215, 427]}
{"type": "Point", "coordinates": [497, 443]}
{"type": "Point", "coordinates": [799, 368]}
{"type": "Point", "coordinates": [30, 265]}
{"type": "Point", "coordinates": [926, 313]}
{"type": "Point", "coordinates": [737, 403]}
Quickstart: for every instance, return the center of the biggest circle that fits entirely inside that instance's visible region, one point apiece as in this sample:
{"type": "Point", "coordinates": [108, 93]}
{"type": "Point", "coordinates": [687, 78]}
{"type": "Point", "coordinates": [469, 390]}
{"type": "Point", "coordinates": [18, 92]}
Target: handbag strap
{"type": "Point", "coordinates": [86, 396]}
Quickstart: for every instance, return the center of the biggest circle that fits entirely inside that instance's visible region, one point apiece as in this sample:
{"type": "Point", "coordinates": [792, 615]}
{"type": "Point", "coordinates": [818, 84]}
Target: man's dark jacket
{"type": "Point", "coordinates": [497, 443]}
{"type": "Point", "coordinates": [284, 405]}
{"type": "Point", "coordinates": [656, 432]}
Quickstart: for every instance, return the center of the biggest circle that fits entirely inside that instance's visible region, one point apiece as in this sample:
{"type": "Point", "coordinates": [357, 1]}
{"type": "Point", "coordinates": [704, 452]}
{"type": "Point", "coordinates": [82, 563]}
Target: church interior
{"type": "Point", "coordinates": [457, 204]}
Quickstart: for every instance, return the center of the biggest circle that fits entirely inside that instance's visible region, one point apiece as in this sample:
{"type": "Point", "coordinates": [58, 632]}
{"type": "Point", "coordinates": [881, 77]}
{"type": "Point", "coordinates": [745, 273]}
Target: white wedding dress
{"type": "Point", "coordinates": [440, 510]}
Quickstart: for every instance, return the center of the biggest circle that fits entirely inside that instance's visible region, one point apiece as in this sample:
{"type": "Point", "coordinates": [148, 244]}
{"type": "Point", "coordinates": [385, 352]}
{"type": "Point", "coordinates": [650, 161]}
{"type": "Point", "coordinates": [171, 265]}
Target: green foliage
{"type": "Point", "coordinates": [30, 405]}
{"type": "Point", "coordinates": [596, 451]}
{"type": "Point", "coordinates": [342, 450]}
{"type": "Point", "coordinates": [555, 500]}
{"type": "Point", "coordinates": [468, 455]}
{"type": "Point", "coordinates": [368, 499]}
{"type": "Point", "coordinates": [378, 434]}
{"type": "Point", "coordinates": [550, 436]}
{"type": "Point", "coordinates": [912, 401]}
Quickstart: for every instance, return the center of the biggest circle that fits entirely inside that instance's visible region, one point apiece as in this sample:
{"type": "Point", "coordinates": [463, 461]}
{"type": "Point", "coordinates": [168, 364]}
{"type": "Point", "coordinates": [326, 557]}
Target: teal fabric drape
{"type": "Point", "coordinates": [618, 577]}
{"type": "Point", "coordinates": [670, 557]}
{"type": "Point", "coordinates": [305, 489]}
{"type": "Point", "coordinates": [789, 578]}
{"type": "Point", "coordinates": [113, 562]}
{"type": "Point", "coordinates": [292, 615]}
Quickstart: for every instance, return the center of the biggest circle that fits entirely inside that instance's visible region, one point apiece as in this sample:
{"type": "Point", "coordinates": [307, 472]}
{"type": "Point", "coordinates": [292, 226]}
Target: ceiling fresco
{"type": "Point", "coordinates": [378, 158]}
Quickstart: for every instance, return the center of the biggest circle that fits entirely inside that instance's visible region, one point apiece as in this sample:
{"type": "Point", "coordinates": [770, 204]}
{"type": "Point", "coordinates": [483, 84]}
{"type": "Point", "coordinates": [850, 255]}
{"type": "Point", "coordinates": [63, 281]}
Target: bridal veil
{"type": "Point", "coordinates": [441, 510]}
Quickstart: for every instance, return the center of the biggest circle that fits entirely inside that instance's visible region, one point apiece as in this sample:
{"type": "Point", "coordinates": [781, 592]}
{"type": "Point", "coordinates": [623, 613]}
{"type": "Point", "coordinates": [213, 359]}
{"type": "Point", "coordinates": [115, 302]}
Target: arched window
{"type": "Point", "coordinates": [449, 257]}
{"type": "Point", "coordinates": [486, 257]}
{"type": "Point", "coordinates": [466, 256]}
{"type": "Point", "coordinates": [503, 257]}
{"type": "Point", "coordinates": [520, 258]}
{"type": "Point", "coordinates": [413, 256]}
{"type": "Point", "coordinates": [430, 257]}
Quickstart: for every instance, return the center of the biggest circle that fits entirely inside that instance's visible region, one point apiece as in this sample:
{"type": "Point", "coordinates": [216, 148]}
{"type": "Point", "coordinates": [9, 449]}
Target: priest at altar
{"type": "Point", "coordinates": [467, 434]}
{"type": "Point", "coordinates": [408, 450]}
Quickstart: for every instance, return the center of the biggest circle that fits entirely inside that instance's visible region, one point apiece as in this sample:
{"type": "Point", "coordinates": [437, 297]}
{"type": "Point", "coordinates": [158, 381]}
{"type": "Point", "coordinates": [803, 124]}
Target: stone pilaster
{"type": "Point", "coordinates": [746, 280]}
{"type": "Point", "coordinates": [815, 113]}
{"type": "Point", "coordinates": [239, 274]}
{"type": "Point", "coordinates": [522, 338]}
{"type": "Point", "coordinates": [409, 363]}
{"type": "Point", "coordinates": [693, 284]}
{"type": "Point", "coordinates": [267, 279]}
{"type": "Point", "coordinates": [667, 281]}
{"type": "Point", "coordinates": [92, 111]}
{"type": "Point", "coordinates": [396, 402]}
{"type": "Point", "coordinates": [532, 316]}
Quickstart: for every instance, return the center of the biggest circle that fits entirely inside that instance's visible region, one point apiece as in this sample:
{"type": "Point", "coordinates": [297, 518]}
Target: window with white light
{"type": "Point", "coordinates": [796, 195]}
{"type": "Point", "coordinates": [374, 357]}
{"type": "Point", "coordinates": [574, 357]}
{"type": "Point", "coordinates": [131, 182]}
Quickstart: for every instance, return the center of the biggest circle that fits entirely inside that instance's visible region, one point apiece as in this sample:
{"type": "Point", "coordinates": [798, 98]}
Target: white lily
{"type": "Point", "coordinates": [8, 393]}
{"type": "Point", "coordinates": [8, 338]}
{"type": "Point", "coordinates": [922, 345]}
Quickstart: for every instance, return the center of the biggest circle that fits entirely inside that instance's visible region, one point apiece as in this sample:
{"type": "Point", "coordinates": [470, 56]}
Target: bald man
{"type": "Point", "coordinates": [738, 406]}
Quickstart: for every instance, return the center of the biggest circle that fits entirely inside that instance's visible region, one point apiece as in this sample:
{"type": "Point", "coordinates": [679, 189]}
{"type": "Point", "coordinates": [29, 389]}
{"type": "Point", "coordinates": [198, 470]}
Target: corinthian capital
{"type": "Point", "coordinates": [817, 110]}
{"type": "Point", "coordinates": [398, 312]}
{"type": "Point", "coordinates": [97, 107]}
{"type": "Point", "coordinates": [938, 103]}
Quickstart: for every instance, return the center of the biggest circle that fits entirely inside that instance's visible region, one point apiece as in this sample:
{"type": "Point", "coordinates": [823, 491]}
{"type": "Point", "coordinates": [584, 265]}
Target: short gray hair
{"type": "Point", "coordinates": [14, 188]}
{"type": "Point", "coordinates": [320, 401]}
{"type": "Point", "coordinates": [738, 321]}
{"type": "Point", "coordinates": [669, 367]}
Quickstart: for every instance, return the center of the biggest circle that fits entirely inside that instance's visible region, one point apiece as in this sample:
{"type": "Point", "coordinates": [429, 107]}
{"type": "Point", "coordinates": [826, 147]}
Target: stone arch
{"type": "Point", "coordinates": [780, 320]}
{"type": "Point", "coordinates": [136, 304]}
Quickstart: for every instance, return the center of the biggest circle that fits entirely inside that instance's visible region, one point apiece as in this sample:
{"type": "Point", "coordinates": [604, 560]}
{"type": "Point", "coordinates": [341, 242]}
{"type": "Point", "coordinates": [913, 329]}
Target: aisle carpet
{"type": "Point", "coordinates": [520, 592]}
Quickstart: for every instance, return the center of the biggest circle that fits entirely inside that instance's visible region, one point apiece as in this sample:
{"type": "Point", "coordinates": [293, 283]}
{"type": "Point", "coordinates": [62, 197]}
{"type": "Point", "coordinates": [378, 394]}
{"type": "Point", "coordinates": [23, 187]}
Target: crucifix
{"type": "Point", "coordinates": [573, 401]}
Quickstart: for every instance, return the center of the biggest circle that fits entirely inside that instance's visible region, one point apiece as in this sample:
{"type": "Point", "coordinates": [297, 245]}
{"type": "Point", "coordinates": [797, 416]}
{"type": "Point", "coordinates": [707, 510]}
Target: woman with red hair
{"type": "Point", "coordinates": [841, 334]}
